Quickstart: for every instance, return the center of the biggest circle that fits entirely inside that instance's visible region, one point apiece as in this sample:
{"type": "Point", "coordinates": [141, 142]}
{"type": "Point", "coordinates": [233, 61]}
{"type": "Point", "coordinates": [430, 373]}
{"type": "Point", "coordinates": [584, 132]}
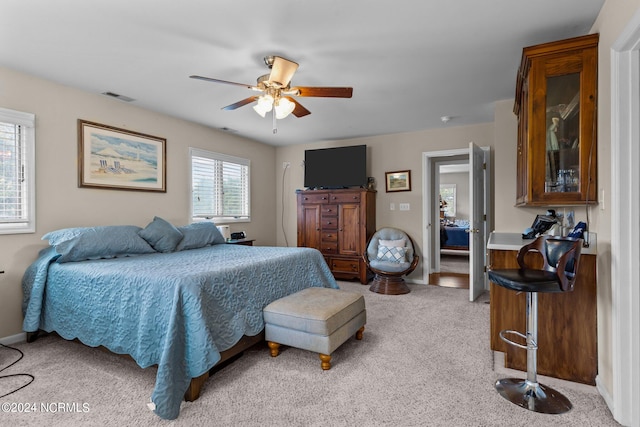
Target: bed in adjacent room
{"type": "Point", "coordinates": [178, 309]}
{"type": "Point", "coordinates": [454, 236]}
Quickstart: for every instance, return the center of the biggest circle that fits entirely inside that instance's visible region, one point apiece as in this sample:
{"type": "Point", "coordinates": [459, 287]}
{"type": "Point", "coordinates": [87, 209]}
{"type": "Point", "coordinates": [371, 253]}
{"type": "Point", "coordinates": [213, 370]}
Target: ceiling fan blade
{"type": "Point", "coordinates": [241, 103]}
{"type": "Point", "coordinates": [209, 79]}
{"type": "Point", "coordinates": [328, 92]}
{"type": "Point", "coordinates": [299, 110]}
{"type": "Point", "coordinates": [282, 70]}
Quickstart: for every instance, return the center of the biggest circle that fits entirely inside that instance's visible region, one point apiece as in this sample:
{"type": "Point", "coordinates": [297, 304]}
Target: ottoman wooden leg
{"type": "Point", "coordinates": [275, 348]}
{"type": "Point", "coordinates": [326, 361]}
{"type": "Point", "coordinates": [359, 333]}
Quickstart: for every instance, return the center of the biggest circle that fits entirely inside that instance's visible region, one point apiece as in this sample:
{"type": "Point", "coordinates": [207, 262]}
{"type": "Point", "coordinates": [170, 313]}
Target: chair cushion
{"type": "Point", "coordinates": [388, 266]}
{"type": "Point", "coordinates": [526, 280]}
{"type": "Point", "coordinates": [389, 234]}
{"type": "Point", "coordinates": [315, 310]}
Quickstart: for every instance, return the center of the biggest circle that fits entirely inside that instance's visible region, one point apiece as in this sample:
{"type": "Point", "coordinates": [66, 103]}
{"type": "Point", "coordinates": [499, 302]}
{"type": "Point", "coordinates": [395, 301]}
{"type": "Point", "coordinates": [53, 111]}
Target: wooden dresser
{"type": "Point", "coordinates": [338, 223]}
{"type": "Point", "coordinates": [567, 323]}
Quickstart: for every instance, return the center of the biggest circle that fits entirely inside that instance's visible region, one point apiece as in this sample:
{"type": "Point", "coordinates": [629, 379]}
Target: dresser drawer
{"type": "Point", "coordinates": [329, 211]}
{"type": "Point", "coordinates": [314, 198]}
{"type": "Point", "coordinates": [344, 198]}
{"type": "Point", "coordinates": [329, 236]}
{"type": "Point", "coordinates": [329, 223]}
{"type": "Point", "coordinates": [329, 248]}
{"type": "Point", "coordinates": [344, 265]}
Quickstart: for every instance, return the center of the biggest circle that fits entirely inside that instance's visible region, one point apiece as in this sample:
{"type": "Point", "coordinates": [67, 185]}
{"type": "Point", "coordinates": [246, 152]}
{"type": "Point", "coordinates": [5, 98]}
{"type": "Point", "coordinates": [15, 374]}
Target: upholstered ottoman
{"type": "Point", "coordinates": [315, 319]}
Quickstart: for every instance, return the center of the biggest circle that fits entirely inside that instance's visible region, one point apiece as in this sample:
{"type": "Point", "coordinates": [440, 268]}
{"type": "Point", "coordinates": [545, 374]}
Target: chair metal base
{"type": "Point", "coordinates": [533, 396]}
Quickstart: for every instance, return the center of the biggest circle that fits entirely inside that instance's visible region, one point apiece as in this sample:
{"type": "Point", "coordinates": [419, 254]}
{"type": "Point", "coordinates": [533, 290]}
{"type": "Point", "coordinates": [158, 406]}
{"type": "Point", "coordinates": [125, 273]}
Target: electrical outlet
{"type": "Point", "coordinates": [405, 206]}
{"type": "Point", "coordinates": [286, 165]}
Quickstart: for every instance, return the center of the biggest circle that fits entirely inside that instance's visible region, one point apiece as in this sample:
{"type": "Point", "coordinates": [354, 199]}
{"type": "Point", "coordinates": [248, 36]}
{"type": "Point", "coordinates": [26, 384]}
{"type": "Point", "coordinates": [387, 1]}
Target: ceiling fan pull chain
{"type": "Point", "coordinates": [275, 126]}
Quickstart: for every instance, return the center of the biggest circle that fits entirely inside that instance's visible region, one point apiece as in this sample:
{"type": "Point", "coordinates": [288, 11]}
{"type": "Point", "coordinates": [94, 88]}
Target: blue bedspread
{"type": "Point", "coordinates": [176, 310]}
{"type": "Point", "coordinates": [456, 237]}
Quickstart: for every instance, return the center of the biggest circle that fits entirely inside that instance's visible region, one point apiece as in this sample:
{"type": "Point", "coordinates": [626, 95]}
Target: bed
{"type": "Point", "coordinates": [455, 235]}
{"type": "Point", "coordinates": [178, 309]}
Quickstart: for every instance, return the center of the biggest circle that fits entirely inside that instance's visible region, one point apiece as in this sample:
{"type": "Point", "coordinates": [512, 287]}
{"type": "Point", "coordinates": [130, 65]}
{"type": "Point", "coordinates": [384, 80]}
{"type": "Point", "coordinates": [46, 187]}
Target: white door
{"type": "Point", "coordinates": [477, 238]}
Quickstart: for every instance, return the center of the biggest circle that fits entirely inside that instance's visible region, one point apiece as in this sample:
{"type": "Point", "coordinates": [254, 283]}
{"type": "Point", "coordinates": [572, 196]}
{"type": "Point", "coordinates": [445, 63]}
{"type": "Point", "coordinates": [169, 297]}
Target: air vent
{"type": "Point", "coordinates": [118, 96]}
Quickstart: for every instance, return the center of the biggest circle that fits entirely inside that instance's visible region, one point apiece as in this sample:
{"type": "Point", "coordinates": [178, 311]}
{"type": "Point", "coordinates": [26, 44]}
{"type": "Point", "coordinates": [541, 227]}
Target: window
{"type": "Point", "coordinates": [17, 172]}
{"type": "Point", "coordinates": [219, 187]}
{"type": "Point", "coordinates": [448, 200]}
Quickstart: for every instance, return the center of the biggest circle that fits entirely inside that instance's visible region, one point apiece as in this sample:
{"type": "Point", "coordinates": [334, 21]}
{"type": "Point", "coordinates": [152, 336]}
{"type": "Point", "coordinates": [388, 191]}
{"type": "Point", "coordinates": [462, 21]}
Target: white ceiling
{"type": "Point", "coordinates": [410, 62]}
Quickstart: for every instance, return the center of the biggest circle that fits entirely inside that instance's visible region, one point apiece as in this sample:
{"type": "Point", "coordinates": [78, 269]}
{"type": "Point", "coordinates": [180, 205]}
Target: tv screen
{"type": "Point", "coordinates": [339, 167]}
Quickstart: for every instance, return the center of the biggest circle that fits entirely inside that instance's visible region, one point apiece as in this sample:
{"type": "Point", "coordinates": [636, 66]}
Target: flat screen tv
{"type": "Point", "coordinates": [339, 167]}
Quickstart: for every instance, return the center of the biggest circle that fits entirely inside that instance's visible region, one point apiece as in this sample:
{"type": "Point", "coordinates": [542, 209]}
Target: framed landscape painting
{"type": "Point", "coordinates": [120, 159]}
{"type": "Point", "coordinates": [398, 181]}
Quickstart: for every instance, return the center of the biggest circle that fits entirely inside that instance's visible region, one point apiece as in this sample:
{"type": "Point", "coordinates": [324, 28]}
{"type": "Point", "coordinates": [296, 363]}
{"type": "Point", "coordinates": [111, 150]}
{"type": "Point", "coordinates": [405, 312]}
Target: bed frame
{"type": "Point", "coordinates": [227, 356]}
{"type": "Point", "coordinates": [193, 392]}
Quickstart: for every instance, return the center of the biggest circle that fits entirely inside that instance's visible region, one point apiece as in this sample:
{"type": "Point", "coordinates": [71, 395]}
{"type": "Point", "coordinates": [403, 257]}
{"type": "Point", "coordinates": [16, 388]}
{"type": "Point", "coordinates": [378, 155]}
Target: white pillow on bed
{"type": "Point", "coordinates": [199, 235]}
{"type": "Point", "coordinates": [109, 241]}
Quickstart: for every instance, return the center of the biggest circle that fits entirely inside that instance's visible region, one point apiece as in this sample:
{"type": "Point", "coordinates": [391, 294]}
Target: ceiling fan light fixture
{"type": "Point", "coordinates": [283, 107]}
{"type": "Point", "coordinates": [264, 105]}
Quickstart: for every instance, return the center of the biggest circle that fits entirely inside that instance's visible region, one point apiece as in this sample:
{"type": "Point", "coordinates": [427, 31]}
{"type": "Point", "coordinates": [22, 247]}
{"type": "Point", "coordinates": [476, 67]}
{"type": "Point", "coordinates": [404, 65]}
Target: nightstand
{"type": "Point", "coordinates": [246, 242]}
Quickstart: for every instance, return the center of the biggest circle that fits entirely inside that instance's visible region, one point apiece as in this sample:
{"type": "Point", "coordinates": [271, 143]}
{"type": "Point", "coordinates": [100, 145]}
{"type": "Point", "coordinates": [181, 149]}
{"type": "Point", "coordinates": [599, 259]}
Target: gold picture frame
{"type": "Point", "coordinates": [398, 181]}
{"type": "Point", "coordinates": [120, 159]}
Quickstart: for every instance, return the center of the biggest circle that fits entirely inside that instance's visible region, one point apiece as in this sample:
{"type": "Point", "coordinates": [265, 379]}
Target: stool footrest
{"type": "Point", "coordinates": [532, 346]}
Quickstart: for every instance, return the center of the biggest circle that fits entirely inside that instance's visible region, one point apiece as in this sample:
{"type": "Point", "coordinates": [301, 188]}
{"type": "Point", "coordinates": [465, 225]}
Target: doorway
{"type": "Point", "coordinates": [477, 161]}
{"type": "Point", "coordinates": [451, 268]}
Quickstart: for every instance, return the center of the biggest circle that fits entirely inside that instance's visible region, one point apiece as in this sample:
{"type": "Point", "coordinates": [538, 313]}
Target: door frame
{"type": "Point", "coordinates": [625, 236]}
{"type": "Point", "coordinates": [430, 208]}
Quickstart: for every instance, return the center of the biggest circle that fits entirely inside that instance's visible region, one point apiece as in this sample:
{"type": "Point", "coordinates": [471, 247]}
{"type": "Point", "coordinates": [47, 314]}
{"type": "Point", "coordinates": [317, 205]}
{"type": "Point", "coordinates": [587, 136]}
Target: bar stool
{"type": "Point", "coordinates": [561, 256]}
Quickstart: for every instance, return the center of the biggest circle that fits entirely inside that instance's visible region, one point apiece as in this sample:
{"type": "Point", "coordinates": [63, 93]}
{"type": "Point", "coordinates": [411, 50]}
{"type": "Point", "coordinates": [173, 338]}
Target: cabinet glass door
{"type": "Point", "coordinates": [563, 134]}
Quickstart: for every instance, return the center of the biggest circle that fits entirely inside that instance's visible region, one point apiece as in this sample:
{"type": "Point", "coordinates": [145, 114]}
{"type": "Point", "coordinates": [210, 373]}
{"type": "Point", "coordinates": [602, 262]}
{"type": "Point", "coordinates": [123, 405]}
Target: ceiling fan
{"type": "Point", "coordinates": [277, 93]}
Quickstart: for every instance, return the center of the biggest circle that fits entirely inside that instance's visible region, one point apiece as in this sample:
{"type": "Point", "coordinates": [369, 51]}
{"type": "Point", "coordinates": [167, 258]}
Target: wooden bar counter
{"type": "Point", "coordinates": [567, 323]}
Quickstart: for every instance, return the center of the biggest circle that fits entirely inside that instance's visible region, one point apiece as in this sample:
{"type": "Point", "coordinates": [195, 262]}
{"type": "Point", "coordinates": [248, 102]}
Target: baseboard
{"type": "Point", "coordinates": [604, 392]}
{"type": "Point", "coordinates": [14, 339]}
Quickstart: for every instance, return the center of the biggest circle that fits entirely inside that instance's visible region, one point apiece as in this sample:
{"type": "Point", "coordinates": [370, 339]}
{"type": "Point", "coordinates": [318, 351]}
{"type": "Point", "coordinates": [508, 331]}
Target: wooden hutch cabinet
{"type": "Point", "coordinates": [338, 223]}
{"type": "Point", "coordinates": [556, 103]}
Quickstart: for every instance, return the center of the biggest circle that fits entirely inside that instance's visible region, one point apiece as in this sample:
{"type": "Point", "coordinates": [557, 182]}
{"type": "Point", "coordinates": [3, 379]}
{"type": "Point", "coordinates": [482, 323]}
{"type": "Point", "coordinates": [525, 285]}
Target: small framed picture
{"type": "Point", "coordinates": [120, 159]}
{"type": "Point", "coordinates": [398, 181]}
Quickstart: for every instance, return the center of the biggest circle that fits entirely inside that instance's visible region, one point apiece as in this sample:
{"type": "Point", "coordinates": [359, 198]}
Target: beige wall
{"type": "Point", "coordinates": [60, 203]}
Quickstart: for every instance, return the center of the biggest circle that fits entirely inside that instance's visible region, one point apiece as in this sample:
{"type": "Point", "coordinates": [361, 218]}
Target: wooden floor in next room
{"type": "Point", "coordinates": [454, 272]}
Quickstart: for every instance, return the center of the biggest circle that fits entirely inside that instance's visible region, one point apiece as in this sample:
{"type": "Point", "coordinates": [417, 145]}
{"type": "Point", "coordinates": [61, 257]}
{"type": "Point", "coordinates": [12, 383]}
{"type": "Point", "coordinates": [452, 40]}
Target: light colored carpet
{"type": "Point", "coordinates": [424, 361]}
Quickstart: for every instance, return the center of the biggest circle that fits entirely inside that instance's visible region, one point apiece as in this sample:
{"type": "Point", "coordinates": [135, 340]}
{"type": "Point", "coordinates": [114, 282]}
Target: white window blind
{"type": "Point", "coordinates": [17, 172]}
{"type": "Point", "coordinates": [219, 186]}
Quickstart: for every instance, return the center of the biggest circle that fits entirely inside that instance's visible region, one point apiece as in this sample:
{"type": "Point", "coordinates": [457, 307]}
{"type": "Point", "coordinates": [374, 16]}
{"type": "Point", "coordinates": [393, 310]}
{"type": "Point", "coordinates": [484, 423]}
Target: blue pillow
{"type": "Point", "coordinates": [162, 235]}
{"type": "Point", "coordinates": [198, 235]}
{"type": "Point", "coordinates": [83, 243]}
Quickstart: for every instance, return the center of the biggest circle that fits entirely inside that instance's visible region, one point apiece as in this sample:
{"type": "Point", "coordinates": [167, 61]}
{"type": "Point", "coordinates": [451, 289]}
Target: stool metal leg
{"type": "Point", "coordinates": [528, 393]}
